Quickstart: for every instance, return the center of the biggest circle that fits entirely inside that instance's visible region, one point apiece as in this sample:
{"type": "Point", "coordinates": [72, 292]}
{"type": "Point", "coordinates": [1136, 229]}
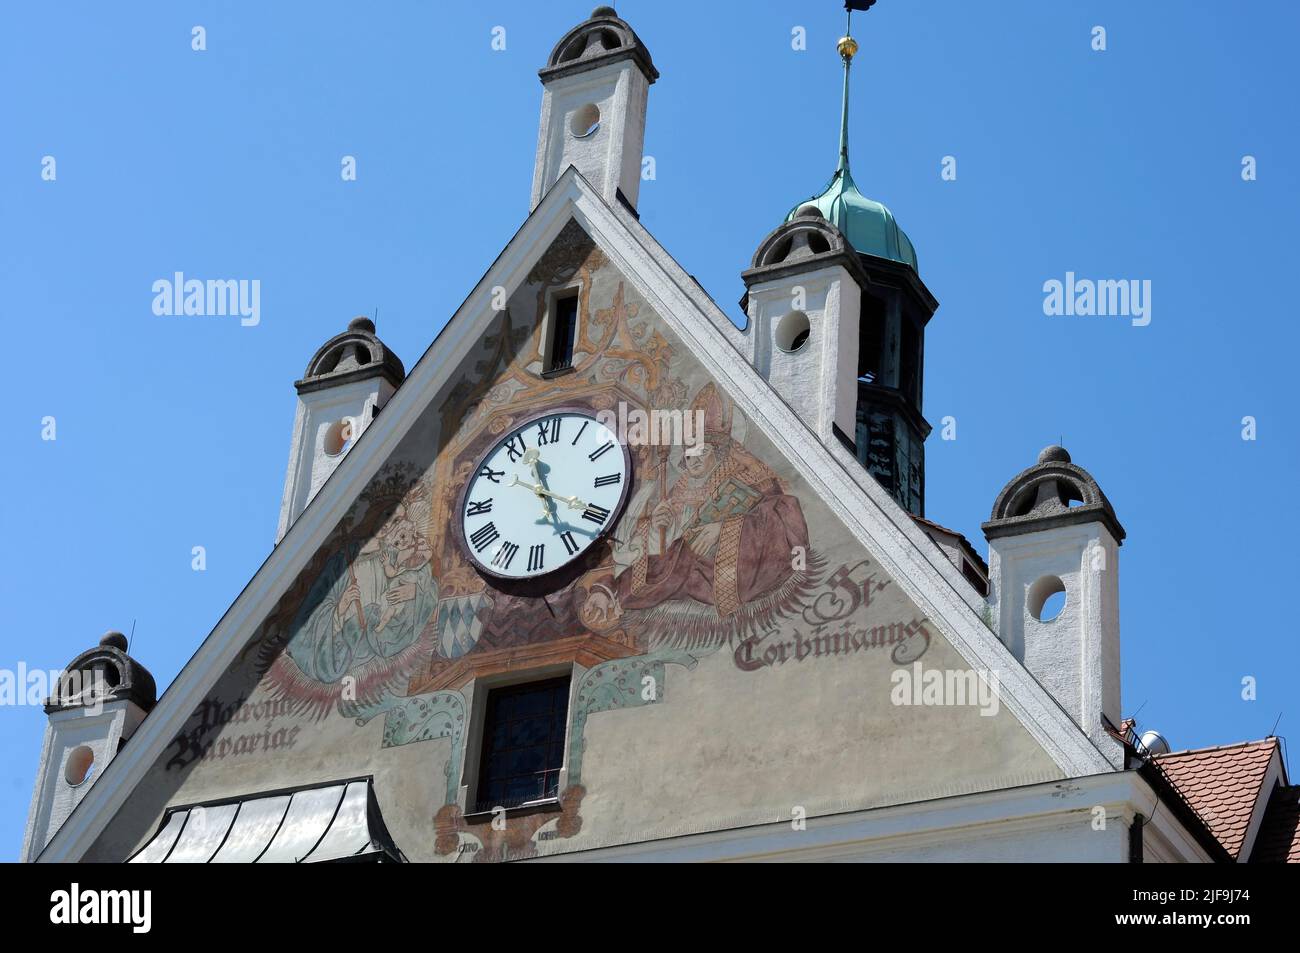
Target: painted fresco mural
{"type": "Point", "coordinates": [713, 559]}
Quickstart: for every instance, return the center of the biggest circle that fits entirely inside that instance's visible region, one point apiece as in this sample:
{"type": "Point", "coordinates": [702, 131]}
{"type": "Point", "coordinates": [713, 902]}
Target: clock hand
{"type": "Point", "coordinates": [532, 456]}
{"type": "Point", "coordinates": [572, 501]}
{"type": "Point", "coordinates": [546, 505]}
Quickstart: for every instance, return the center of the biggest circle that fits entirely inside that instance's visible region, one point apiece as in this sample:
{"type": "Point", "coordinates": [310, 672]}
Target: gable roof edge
{"type": "Point", "coordinates": [639, 256]}
{"type": "Point", "coordinates": [1274, 776]}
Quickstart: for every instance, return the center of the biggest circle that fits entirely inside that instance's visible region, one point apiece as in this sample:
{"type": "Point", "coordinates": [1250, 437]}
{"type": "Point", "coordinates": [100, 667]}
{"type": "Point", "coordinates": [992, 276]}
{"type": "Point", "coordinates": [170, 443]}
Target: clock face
{"type": "Point", "coordinates": [543, 494]}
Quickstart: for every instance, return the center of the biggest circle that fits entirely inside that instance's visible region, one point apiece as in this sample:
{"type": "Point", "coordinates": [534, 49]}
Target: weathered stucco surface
{"type": "Point", "coordinates": [769, 692]}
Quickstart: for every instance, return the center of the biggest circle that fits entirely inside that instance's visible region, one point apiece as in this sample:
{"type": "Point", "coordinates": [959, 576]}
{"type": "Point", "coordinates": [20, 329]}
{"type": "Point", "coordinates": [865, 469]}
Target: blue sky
{"type": "Point", "coordinates": [173, 432]}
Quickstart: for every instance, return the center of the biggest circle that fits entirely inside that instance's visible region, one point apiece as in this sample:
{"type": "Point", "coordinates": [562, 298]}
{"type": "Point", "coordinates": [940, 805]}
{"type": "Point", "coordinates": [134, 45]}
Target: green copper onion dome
{"type": "Point", "coordinates": [868, 225]}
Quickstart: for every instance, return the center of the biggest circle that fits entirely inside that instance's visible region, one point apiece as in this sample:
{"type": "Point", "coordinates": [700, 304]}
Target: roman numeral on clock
{"type": "Point", "coordinates": [482, 537]}
{"type": "Point", "coordinates": [569, 545]}
{"type": "Point", "coordinates": [548, 431]}
{"type": "Point", "coordinates": [599, 451]}
{"type": "Point", "coordinates": [506, 553]}
{"type": "Point", "coordinates": [493, 475]}
{"type": "Point", "coordinates": [578, 435]}
{"type": "Point", "coordinates": [479, 508]}
{"type": "Point", "coordinates": [536, 557]}
{"type": "Point", "coordinates": [597, 514]}
{"type": "Point", "coordinates": [607, 480]}
{"type": "Point", "coordinates": [516, 451]}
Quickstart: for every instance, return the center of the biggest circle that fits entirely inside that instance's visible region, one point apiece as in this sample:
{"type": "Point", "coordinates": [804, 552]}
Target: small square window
{"type": "Point", "coordinates": [563, 328]}
{"type": "Point", "coordinates": [523, 744]}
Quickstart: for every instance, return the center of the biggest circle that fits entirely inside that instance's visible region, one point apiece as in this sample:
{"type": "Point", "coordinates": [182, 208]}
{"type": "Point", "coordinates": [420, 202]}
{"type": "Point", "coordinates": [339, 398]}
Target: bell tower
{"type": "Point", "coordinates": [854, 357]}
{"type": "Point", "coordinates": [594, 91]}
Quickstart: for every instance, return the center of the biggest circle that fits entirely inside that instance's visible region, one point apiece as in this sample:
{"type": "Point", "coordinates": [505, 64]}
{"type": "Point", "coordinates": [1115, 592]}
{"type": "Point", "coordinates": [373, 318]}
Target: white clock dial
{"type": "Point", "coordinates": [543, 494]}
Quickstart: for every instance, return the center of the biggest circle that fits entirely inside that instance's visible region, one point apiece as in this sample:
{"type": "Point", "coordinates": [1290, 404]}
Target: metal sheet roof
{"type": "Point", "coordinates": [338, 821]}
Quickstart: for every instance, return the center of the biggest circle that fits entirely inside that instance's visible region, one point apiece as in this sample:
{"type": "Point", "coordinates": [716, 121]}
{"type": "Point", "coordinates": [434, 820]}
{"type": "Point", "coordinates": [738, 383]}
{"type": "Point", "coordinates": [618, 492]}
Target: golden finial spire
{"type": "Point", "coordinates": [848, 47]}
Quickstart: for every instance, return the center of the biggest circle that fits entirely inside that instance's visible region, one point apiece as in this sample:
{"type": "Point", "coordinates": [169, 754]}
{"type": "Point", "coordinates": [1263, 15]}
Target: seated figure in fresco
{"type": "Point", "coordinates": [714, 552]}
{"type": "Point", "coordinates": [369, 610]}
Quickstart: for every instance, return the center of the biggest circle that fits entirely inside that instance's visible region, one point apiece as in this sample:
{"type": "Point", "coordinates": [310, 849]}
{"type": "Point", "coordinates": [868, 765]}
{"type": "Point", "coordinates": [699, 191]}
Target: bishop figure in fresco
{"type": "Point", "coordinates": [713, 552]}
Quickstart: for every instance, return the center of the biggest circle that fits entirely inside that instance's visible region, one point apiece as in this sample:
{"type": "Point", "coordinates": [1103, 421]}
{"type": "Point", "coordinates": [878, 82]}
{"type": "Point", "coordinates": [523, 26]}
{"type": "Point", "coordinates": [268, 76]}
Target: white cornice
{"type": "Point", "coordinates": [1037, 809]}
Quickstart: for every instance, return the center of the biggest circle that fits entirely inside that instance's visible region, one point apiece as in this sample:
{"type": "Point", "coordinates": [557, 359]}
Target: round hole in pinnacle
{"type": "Point", "coordinates": [585, 121]}
{"type": "Point", "coordinates": [81, 765]}
{"type": "Point", "coordinates": [792, 331]}
{"type": "Point", "coordinates": [1046, 598]}
{"type": "Point", "coordinates": [338, 436]}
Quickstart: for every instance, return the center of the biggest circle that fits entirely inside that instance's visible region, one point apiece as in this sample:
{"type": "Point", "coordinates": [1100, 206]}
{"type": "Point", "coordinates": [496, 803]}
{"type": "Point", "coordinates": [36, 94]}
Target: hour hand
{"type": "Point", "coordinates": [571, 501]}
{"type": "Point", "coordinates": [536, 488]}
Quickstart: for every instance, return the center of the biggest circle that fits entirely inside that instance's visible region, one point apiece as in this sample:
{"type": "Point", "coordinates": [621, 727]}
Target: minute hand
{"type": "Point", "coordinates": [571, 501]}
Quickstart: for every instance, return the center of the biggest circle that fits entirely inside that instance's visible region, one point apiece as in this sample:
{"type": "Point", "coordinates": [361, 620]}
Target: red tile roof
{"type": "Point", "coordinates": [1278, 840]}
{"type": "Point", "coordinates": [966, 544]}
{"type": "Point", "coordinates": [1222, 784]}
